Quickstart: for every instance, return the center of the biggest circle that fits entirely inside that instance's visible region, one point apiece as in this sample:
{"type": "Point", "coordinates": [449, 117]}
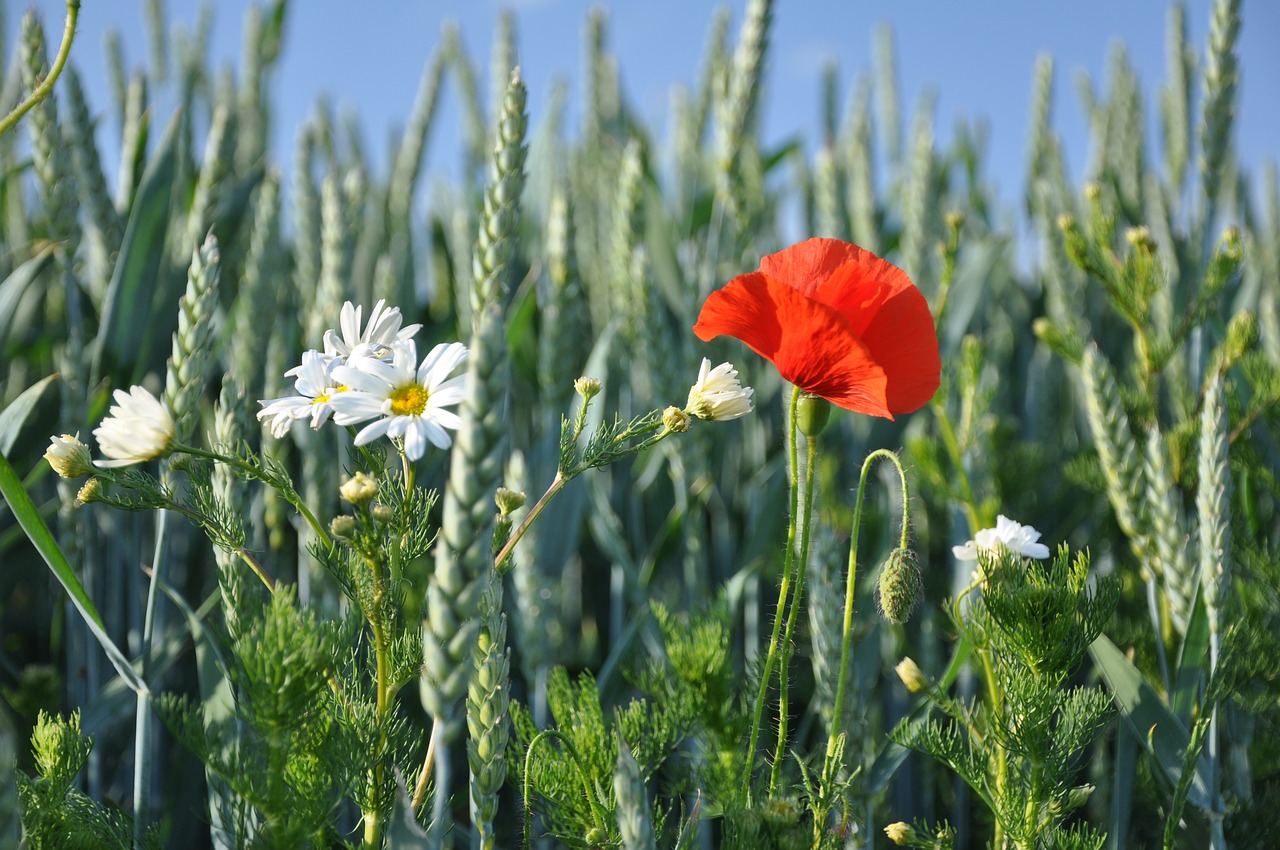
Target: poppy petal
{"type": "Point", "coordinates": [810, 343]}
{"type": "Point", "coordinates": [903, 341]}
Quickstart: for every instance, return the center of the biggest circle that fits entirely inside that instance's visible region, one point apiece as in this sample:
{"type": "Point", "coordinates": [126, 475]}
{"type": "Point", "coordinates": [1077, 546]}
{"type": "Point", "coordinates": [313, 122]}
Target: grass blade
{"type": "Point", "coordinates": [1148, 718]}
{"type": "Point", "coordinates": [24, 510]}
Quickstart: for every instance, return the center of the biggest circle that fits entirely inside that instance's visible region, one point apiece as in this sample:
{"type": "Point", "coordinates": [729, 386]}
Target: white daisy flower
{"type": "Point", "coordinates": [717, 394]}
{"type": "Point", "coordinates": [1017, 538]}
{"type": "Point", "coordinates": [410, 399]}
{"type": "Point", "coordinates": [137, 428]}
{"type": "Point", "coordinates": [382, 329]}
{"type": "Point", "coordinates": [69, 457]}
{"type": "Point", "coordinates": [315, 387]}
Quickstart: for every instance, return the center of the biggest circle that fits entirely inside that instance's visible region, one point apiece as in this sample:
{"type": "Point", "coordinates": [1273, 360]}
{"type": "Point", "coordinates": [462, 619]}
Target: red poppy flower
{"type": "Point", "coordinates": [838, 322]}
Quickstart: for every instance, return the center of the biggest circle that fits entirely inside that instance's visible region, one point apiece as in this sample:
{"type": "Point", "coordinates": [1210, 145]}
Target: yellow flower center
{"type": "Point", "coordinates": [323, 397]}
{"type": "Point", "coordinates": [409, 400]}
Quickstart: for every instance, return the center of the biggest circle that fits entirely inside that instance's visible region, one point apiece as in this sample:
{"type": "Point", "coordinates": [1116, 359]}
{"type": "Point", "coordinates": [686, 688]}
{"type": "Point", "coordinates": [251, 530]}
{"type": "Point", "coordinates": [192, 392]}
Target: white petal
{"type": "Point", "coordinates": [371, 432]}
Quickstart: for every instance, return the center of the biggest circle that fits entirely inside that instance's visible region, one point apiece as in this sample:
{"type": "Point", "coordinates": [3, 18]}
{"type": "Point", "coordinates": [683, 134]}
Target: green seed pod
{"type": "Point", "coordinates": [900, 586]}
{"type": "Point", "coordinates": [812, 414]}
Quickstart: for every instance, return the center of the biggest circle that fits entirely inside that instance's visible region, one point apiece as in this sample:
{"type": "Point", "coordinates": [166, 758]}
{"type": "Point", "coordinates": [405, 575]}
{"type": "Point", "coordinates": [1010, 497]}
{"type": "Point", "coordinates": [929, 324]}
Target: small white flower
{"type": "Point", "coordinates": [315, 387]}
{"type": "Point", "coordinates": [717, 394]}
{"type": "Point", "coordinates": [410, 398]}
{"type": "Point", "coordinates": [69, 457]}
{"type": "Point", "coordinates": [1017, 538]}
{"type": "Point", "coordinates": [137, 428]}
{"type": "Point", "coordinates": [382, 329]}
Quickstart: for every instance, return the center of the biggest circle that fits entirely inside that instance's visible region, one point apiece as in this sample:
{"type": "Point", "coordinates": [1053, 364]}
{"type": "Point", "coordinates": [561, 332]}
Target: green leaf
{"type": "Point", "coordinates": [1148, 717]}
{"type": "Point", "coordinates": [403, 831]}
{"type": "Point", "coordinates": [13, 416]}
{"type": "Point", "coordinates": [1190, 673]}
{"type": "Point", "coordinates": [24, 510]}
{"type": "Point", "coordinates": [131, 291]}
{"type": "Point", "coordinates": [1123, 775]}
{"type": "Point", "coordinates": [16, 285]}
{"type": "Point", "coordinates": [217, 701]}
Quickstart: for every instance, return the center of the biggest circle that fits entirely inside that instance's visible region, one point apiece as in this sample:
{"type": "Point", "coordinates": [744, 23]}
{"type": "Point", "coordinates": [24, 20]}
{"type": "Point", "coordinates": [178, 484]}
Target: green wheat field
{"type": "Point", "coordinates": [564, 503]}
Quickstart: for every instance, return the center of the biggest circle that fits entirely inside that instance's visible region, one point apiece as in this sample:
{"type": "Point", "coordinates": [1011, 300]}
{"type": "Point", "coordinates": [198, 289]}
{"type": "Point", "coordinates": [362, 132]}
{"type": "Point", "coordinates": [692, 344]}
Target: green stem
{"type": "Point", "coordinates": [851, 580]}
{"type": "Point", "coordinates": [42, 91]}
{"type": "Point", "coordinates": [251, 471]}
{"type": "Point", "coordinates": [806, 522]}
{"type": "Point", "coordinates": [957, 465]}
{"type": "Point", "coordinates": [784, 589]}
{"type": "Point", "coordinates": [142, 761]}
{"type": "Point", "coordinates": [527, 789]}
{"type": "Point", "coordinates": [373, 817]}
{"type": "Point", "coordinates": [563, 477]}
{"type": "Point", "coordinates": [557, 484]}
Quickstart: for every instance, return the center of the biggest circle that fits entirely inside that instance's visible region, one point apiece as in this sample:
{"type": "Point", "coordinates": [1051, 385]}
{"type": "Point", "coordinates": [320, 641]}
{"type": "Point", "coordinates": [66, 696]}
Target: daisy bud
{"type": "Point", "coordinates": [954, 219]}
{"type": "Point", "coordinates": [900, 586]}
{"type": "Point", "coordinates": [1139, 237]}
{"type": "Point", "coordinates": [1078, 796]}
{"type": "Point", "coordinates": [900, 833]}
{"type": "Point", "coordinates": [343, 526]}
{"type": "Point", "coordinates": [509, 501]}
{"type": "Point", "coordinates": [596, 837]}
{"type": "Point", "coordinates": [90, 492]}
{"type": "Point", "coordinates": [676, 420]}
{"type": "Point", "coordinates": [359, 489]}
{"type": "Point", "coordinates": [1092, 190]}
{"type": "Point", "coordinates": [382, 513]}
{"type": "Point", "coordinates": [812, 414]}
{"type": "Point", "coordinates": [1230, 241]}
{"type": "Point", "coordinates": [586, 387]}
{"type": "Point", "coordinates": [69, 457]}
{"type": "Point", "coordinates": [912, 676]}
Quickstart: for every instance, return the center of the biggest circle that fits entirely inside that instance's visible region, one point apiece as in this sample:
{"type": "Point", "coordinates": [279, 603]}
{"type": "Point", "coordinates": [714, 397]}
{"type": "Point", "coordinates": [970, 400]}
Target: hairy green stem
{"type": "Point", "coordinates": [806, 523]}
{"type": "Point", "coordinates": [527, 789]}
{"type": "Point", "coordinates": [851, 580]}
{"type": "Point", "coordinates": [784, 590]}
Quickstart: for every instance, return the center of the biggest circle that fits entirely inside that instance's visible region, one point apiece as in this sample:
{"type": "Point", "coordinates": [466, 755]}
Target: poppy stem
{"type": "Point", "coordinates": [784, 591]}
{"type": "Point", "coordinates": [851, 582]}
{"type": "Point", "coordinates": [806, 523]}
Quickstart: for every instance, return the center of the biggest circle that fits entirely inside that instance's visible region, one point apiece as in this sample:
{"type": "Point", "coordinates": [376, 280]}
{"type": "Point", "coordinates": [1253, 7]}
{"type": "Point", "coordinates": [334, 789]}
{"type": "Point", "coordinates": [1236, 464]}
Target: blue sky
{"type": "Point", "coordinates": [977, 57]}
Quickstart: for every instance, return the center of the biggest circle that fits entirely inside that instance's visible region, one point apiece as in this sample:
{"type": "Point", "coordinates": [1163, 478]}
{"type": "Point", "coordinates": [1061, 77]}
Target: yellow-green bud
{"type": "Point", "coordinates": [343, 526]}
{"type": "Point", "coordinates": [954, 219]}
{"type": "Point", "coordinates": [912, 676]}
{"type": "Point", "coordinates": [586, 387]}
{"type": "Point", "coordinates": [509, 501]}
{"type": "Point", "coordinates": [1231, 241]}
{"type": "Point", "coordinates": [900, 833]}
{"type": "Point", "coordinates": [900, 586]}
{"type": "Point", "coordinates": [90, 492]}
{"type": "Point", "coordinates": [1092, 190]}
{"type": "Point", "coordinates": [596, 837]}
{"type": "Point", "coordinates": [1139, 237]}
{"type": "Point", "coordinates": [1066, 221]}
{"type": "Point", "coordinates": [1078, 796]}
{"type": "Point", "coordinates": [812, 414]}
{"type": "Point", "coordinates": [359, 489]}
{"type": "Point", "coordinates": [382, 513]}
{"type": "Point", "coordinates": [676, 420]}
{"type": "Point", "coordinates": [69, 457]}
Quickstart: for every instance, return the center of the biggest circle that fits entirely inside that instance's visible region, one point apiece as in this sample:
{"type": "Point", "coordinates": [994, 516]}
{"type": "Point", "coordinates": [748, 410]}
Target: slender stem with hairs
{"type": "Point", "coordinates": [784, 592]}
